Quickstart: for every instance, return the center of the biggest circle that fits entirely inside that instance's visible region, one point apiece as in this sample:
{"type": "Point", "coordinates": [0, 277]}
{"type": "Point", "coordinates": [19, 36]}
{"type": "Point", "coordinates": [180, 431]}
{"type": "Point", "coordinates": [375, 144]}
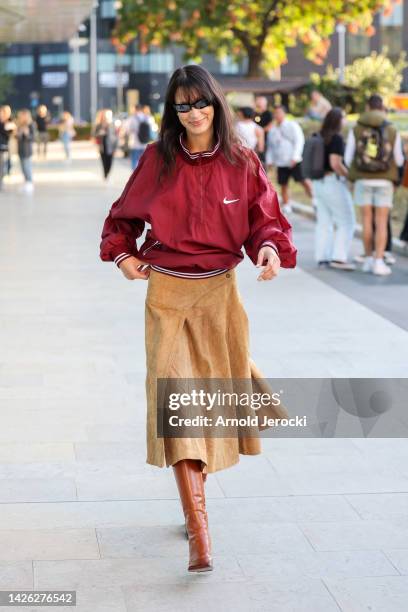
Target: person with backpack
{"type": "Point", "coordinates": [284, 148]}
{"type": "Point", "coordinates": [374, 155]}
{"type": "Point", "coordinates": [139, 134]}
{"type": "Point", "coordinates": [335, 223]}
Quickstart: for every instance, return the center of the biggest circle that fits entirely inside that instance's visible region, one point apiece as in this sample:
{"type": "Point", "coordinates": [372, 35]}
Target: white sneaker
{"type": "Point", "coordinates": [28, 187]}
{"type": "Point", "coordinates": [389, 258]}
{"type": "Point", "coordinates": [367, 264]}
{"type": "Point", "coordinates": [380, 268]}
{"type": "Point", "coordinates": [342, 265]}
{"type": "Point", "coordinates": [287, 209]}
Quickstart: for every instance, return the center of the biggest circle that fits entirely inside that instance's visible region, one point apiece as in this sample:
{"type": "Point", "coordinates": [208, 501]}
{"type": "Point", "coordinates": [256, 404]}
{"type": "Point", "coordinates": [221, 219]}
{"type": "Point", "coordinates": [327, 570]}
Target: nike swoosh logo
{"type": "Point", "coordinates": [229, 201]}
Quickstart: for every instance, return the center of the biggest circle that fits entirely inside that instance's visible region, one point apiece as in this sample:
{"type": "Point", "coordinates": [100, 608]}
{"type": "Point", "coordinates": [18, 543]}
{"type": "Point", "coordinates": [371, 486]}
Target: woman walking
{"type": "Point", "coordinates": [66, 132]}
{"type": "Point", "coordinates": [25, 139]}
{"type": "Point", "coordinates": [205, 196]}
{"type": "Point", "coordinates": [42, 121]}
{"type": "Point", "coordinates": [106, 139]}
{"type": "Point", "coordinates": [334, 205]}
{"type": "Point", "coordinates": [249, 132]}
{"type": "Point", "coordinates": [7, 128]}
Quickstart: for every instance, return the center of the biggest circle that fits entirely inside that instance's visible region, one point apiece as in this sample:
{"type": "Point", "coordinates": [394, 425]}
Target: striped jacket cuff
{"type": "Point", "coordinates": [121, 257]}
{"type": "Point", "coordinates": [271, 244]}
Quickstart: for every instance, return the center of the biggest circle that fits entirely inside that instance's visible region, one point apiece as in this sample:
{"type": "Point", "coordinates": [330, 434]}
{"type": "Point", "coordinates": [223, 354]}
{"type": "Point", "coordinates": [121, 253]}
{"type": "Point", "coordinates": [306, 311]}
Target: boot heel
{"type": "Point", "coordinates": [208, 567]}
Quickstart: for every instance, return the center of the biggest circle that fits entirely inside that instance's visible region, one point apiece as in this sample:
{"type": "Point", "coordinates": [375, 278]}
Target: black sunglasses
{"type": "Point", "coordinates": [186, 108]}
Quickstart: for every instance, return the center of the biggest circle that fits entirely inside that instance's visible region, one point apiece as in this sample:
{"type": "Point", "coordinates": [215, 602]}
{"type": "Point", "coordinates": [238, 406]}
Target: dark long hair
{"type": "Point", "coordinates": [331, 124]}
{"type": "Point", "coordinates": [196, 82]}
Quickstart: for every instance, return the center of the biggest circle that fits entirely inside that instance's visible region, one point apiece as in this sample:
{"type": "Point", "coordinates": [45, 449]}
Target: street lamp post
{"type": "Point", "coordinates": [119, 83]}
{"type": "Point", "coordinates": [76, 43]}
{"type": "Point", "coordinates": [341, 31]}
{"type": "Point", "coordinates": [93, 72]}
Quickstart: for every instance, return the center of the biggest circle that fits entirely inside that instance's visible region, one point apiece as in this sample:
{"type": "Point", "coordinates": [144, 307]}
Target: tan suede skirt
{"type": "Point", "coordinates": [197, 328]}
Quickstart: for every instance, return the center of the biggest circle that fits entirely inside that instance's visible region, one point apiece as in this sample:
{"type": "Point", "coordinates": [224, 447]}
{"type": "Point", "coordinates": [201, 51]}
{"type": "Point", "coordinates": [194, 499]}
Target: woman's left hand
{"type": "Point", "coordinates": [272, 266]}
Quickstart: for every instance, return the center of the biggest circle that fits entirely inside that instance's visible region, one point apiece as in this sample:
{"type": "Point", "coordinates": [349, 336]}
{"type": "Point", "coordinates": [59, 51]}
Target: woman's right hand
{"type": "Point", "coordinates": [130, 269]}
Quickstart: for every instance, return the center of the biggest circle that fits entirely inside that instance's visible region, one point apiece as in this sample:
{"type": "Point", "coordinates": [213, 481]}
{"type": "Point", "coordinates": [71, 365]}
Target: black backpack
{"type": "Point", "coordinates": [144, 132]}
{"type": "Point", "coordinates": [373, 149]}
{"type": "Point", "coordinates": [313, 157]}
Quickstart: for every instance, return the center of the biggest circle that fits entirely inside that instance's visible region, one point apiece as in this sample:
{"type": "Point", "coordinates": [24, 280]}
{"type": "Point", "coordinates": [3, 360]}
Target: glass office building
{"type": "Point", "coordinates": [58, 74]}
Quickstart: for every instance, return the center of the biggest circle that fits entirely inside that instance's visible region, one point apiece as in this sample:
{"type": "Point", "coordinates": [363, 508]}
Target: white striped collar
{"type": "Point", "coordinates": [200, 153]}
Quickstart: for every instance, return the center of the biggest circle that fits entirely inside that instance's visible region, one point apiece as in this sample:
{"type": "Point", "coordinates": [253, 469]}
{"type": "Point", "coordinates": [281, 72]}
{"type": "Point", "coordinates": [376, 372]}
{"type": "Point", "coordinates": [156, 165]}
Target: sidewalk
{"type": "Point", "coordinates": [313, 525]}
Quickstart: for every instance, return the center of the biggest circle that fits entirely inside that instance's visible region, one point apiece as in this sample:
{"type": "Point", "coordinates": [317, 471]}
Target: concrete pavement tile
{"type": "Point", "coordinates": [312, 564]}
{"type": "Point", "coordinates": [357, 535]}
{"type": "Point", "coordinates": [324, 447]}
{"type": "Point", "coordinates": [134, 481]}
{"type": "Point", "coordinates": [388, 593]}
{"type": "Point", "coordinates": [113, 433]}
{"type": "Point", "coordinates": [36, 490]}
{"type": "Point", "coordinates": [281, 509]}
{"type": "Point", "coordinates": [399, 558]}
{"type": "Point", "coordinates": [104, 451]}
{"type": "Point", "coordinates": [302, 596]}
{"type": "Point", "coordinates": [73, 515]}
{"type": "Point", "coordinates": [253, 476]}
{"type": "Point", "coordinates": [140, 486]}
{"type": "Point", "coordinates": [25, 544]}
{"type": "Point", "coordinates": [379, 506]}
{"type": "Point", "coordinates": [26, 453]}
{"type": "Point", "coordinates": [16, 575]}
{"type": "Point", "coordinates": [188, 596]}
{"type": "Point", "coordinates": [21, 379]}
{"type": "Point", "coordinates": [102, 599]}
{"type": "Point", "coordinates": [142, 542]}
{"type": "Point", "coordinates": [129, 572]}
{"type": "Point", "coordinates": [89, 599]}
{"type": "Point", "coordinates": [37, 433]}
{"type": "Point", "coordinates": [354, 480]}
{"type": "Point", "coordinates": [258, 538]}
{"type": "Point", "coordinates": [299, 464]}
{"type": "Point", "coordinates": [375, 446]}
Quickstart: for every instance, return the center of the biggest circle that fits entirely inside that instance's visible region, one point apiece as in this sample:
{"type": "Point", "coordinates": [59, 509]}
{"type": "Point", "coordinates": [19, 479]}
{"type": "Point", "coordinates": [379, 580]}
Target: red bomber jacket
{"type": "Point", "coordinates": [200, 217]}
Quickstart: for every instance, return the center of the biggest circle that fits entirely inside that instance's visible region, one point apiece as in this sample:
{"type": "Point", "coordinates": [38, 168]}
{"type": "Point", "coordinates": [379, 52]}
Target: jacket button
{"type": "Point", "coordinates": [228, 275]}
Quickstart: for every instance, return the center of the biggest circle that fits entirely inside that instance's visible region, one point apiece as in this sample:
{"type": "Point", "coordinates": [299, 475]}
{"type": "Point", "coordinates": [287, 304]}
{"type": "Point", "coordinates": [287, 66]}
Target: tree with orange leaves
{"type": "Point", "coordinates": [259, 30]}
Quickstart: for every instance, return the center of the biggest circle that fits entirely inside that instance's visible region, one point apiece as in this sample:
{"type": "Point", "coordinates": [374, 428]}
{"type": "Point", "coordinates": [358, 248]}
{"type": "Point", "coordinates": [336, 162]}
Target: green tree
{"type": "Point", "coordinates": [260, 31]}
{"type": "Point", "coordinates": [376, 73]}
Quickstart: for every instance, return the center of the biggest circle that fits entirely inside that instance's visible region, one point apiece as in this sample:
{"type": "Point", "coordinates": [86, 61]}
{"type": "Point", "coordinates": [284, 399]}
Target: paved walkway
{"type": "Point", "coordinates": [316, 525]}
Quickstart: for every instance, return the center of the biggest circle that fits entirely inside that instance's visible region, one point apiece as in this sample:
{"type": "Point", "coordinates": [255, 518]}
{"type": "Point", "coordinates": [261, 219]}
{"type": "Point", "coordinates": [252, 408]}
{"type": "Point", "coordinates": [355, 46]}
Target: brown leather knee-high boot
{"type": "Point", "coordinates": [190, 484]}
{"type": "Point", "coordinates": [185, 524]}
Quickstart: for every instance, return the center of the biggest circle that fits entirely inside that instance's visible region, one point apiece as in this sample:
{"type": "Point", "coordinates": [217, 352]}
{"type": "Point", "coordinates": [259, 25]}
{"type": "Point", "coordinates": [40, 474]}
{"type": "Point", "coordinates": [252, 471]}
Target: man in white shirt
{"type": "Point", "coordinates": [284, 149]}
{"type": "Point", "coordinates": [374, 154]}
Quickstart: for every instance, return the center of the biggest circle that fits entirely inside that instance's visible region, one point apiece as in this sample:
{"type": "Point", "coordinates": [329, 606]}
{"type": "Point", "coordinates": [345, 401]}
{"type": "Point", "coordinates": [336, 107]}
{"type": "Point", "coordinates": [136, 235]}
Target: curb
{"type": "Point", "coordinates": [398, 245]}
